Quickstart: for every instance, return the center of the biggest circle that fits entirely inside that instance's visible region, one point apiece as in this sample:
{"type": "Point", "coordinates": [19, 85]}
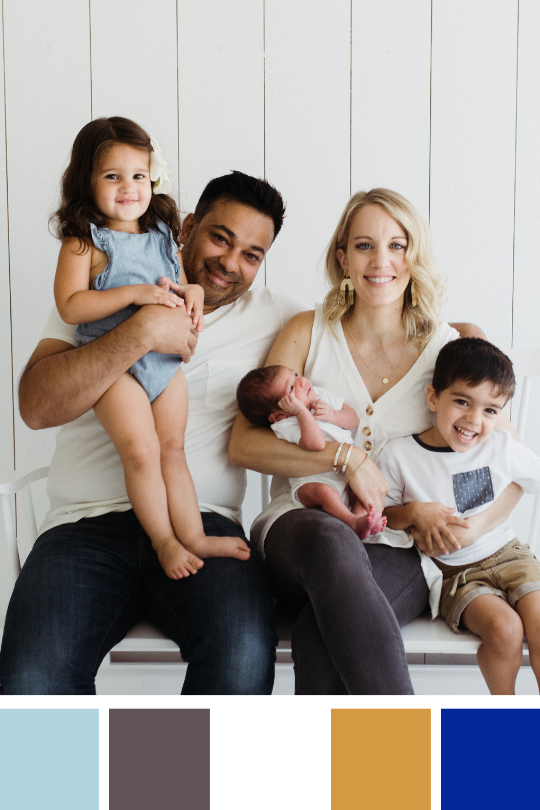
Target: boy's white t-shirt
{"type": "Point", "coordinates": [86, 477]}
{"type": "Point", "coordinates": [469, 482]}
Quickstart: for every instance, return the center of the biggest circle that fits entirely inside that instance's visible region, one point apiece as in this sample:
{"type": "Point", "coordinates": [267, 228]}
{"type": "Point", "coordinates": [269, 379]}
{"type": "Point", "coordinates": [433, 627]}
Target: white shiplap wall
{"type": "Point", "coordinates": [437, 100]}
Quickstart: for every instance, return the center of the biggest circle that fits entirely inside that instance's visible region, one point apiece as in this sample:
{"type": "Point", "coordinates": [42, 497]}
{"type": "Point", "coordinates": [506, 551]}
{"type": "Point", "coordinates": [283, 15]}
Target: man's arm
{"type": "Point", "coordinates": [61, 382]}
{"type": "Point", "coordinates": [468, 330]}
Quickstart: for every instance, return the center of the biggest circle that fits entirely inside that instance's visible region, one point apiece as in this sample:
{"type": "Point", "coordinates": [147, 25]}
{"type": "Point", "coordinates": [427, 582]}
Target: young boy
{"type": "Point", "coordinates": [308, 416]}
{"type": "Point", "coordinates": [492, 585]}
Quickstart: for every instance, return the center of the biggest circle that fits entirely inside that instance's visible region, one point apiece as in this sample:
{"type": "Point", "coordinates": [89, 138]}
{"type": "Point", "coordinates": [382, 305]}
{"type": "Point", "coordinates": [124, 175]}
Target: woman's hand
{"type": "Point", "coordinates": [430, 528]}
{"type": "Point", "coordinates": [368, 484]}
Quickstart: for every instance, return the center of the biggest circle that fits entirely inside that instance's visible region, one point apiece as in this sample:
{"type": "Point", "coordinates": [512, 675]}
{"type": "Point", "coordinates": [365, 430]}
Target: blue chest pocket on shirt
{"type": "Point", "coordinates": [472, 489]}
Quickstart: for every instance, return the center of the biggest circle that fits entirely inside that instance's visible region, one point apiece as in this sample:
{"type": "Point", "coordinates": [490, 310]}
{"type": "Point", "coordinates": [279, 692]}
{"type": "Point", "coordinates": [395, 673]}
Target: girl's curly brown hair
{"type": "Point", "coordinates": [77, 208]}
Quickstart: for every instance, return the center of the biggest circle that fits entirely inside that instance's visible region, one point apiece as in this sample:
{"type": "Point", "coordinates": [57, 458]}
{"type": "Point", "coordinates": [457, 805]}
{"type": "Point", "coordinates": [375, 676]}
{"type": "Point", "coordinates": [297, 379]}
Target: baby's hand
{"type": "Point", "coordinates": [323, 411]}
{"type": "Point", "coordinates": [290, 404]}
{"type": "Point", "coordinates": [154, 294]}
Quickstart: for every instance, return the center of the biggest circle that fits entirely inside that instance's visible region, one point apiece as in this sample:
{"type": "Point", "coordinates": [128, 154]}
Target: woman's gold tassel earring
{"type": "Point", "coordinates": [414, 299]}
{"type": "Point", "coordinates": [346, 286]}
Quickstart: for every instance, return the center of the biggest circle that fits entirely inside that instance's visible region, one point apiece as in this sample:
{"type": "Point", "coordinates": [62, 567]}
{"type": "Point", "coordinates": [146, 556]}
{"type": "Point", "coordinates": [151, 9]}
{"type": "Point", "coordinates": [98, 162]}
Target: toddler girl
{"type": "Point", "coordinates": [120, 233]}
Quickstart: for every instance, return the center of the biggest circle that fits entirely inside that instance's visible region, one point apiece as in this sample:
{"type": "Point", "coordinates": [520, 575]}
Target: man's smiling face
{"type": "Point", "coordinates": [224, 251]}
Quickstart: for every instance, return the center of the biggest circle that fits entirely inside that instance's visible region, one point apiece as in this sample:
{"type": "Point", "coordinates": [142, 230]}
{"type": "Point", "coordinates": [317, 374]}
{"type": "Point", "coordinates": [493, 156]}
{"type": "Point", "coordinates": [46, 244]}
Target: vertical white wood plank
{"type": "Point", "coordinates": [6, 375]}
{"type": "Point", "coordinates": [391, 45]}
{"type": "Point", "coordinates": [134, 68]}
{"type": "Point", "coordinates": [472, 158]}
{"type": "Point", "coordinates": [220, 92]}
{"type": "Point", "coordinates": [526, 253]}
{"type": "Point", "coordinates": [47, 101]}
{"type": "Point", "coordinates": [307, 102]}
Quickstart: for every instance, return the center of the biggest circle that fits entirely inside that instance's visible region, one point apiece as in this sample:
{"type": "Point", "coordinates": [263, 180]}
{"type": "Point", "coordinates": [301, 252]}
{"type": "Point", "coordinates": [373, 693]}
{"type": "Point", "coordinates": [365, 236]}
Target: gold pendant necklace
{"type": "Point", "coordinates": [384, 379]}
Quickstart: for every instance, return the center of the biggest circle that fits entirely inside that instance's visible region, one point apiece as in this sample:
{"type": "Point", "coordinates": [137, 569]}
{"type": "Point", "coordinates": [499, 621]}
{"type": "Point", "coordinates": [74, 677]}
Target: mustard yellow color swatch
{"type": "Point", "coordinates": [381, 759]}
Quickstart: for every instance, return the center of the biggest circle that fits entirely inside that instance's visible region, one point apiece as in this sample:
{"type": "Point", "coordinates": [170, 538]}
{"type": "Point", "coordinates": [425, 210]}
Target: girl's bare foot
{"type": "Point", "coordinates": [177, 561]}
{"type": "Point", "coordinates": [210, 546]}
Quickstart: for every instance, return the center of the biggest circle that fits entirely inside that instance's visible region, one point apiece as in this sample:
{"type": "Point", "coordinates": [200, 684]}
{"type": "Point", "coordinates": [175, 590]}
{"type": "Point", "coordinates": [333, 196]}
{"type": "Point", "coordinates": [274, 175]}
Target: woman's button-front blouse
{"type": "Point", "coordinates": [367, 446]}
{"type": "Point", "coordinates": [369, 410]}
{"type": "Point", "coordinates": [366, 431]}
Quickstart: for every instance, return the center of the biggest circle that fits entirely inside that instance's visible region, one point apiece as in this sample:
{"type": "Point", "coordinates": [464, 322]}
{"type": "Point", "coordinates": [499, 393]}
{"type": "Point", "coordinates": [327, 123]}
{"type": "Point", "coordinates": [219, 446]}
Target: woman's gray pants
{"type": "Point", "coordinates": [352, 598]}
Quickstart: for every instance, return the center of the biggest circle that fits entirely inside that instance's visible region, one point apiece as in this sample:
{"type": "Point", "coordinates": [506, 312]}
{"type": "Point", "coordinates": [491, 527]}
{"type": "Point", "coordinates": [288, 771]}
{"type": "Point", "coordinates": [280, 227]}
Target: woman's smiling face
{"type": "Point", "coordinates": [375, 257]}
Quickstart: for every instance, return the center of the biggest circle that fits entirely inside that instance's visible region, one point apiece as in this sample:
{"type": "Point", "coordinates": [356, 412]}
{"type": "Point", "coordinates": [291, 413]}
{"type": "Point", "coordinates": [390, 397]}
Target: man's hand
{"type": "Point", "coordinates": [167, 331]}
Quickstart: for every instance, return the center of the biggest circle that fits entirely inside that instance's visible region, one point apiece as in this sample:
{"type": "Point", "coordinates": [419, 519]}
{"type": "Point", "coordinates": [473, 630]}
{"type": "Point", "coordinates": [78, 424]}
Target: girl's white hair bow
{"type": "Point", "coordinates": [159, 170]}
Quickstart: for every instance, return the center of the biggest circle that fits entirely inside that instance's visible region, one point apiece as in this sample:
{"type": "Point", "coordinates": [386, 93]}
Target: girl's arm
{"type": "Point", "coordinates": [346, 418]}
{"type": "Point", "coordinates": [259, 449]}
{"type": "Point", "coordinates": [78, 304]}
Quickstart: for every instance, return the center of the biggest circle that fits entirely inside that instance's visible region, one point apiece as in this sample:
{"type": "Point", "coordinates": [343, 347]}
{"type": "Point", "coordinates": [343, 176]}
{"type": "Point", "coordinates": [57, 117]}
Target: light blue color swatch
{"type": "Point", "coordinates": [49, 759]}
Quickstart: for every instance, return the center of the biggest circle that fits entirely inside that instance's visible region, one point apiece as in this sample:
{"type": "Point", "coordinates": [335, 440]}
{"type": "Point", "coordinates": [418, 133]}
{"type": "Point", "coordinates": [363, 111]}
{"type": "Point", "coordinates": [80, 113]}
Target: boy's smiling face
{"type": "Point", "coordinates": [465, 415]}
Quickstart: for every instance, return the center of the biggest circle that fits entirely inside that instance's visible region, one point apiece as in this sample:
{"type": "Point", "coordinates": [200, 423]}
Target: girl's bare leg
{"type": "Point", "coordinates": [528, 608]}
{"type": "Point", "coordinates": [125, 413]}
{"type": "Point", "coordinates": [170, 411]}
{"type": "Point", "coordinates": [323, 496]}
{"type": "Point", "coordinates": [501, 630]}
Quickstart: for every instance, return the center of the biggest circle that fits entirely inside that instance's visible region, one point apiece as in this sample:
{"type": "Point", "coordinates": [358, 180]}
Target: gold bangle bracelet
{"type": "Point", "coordinates": [354, 473]}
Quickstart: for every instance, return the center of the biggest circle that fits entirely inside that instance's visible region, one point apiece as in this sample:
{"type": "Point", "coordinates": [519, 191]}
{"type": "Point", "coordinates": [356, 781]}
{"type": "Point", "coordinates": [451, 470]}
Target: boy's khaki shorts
{"type": "Point", "coordinates": [510, 573]}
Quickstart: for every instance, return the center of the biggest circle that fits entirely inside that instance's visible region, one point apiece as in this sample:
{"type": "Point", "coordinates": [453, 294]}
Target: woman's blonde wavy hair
{"type": "Point", "coordinates": [420, 321]}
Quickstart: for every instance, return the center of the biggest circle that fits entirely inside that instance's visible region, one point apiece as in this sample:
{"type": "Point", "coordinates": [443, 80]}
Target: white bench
{"type": "Point", "coordinates": [144, 644]}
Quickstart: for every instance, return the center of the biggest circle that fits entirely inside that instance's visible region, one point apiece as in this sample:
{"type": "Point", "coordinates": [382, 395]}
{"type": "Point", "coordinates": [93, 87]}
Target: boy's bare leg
{"type": "Point", "coordinates": [170, 411]}
{"type": "Point", "coordinates": [323, 496]}
{"type": "Point", "coordinates": [528, 608]}
{"type": "Point", "coordinates": [125, 413]}
{"type": "Point", "coordinates": [501, 630]}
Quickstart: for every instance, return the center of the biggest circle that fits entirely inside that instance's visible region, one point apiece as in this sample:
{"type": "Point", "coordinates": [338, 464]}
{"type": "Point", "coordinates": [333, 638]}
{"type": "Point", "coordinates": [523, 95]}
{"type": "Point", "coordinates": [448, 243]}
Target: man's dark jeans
{"type": "Point", "coordinates": [85, 584]}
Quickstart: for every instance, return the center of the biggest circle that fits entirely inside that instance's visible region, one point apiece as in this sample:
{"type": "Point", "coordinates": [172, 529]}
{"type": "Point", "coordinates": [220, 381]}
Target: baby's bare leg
{"type": "Point", "coordinates": [501, 630]}
{"type": "Point", "coordinates": [170, 410]}
{"type": "Point", "coordinates": [528, 608]}
{"type": "Point", "coordinates": [125, 413]}
{"type": "Point", "coordinates": [323, 496]}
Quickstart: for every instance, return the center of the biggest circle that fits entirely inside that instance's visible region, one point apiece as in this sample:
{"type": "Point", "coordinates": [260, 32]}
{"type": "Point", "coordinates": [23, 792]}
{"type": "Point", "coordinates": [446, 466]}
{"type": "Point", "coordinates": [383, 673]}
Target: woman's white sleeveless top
{"type": "Point", "coordinates": [401, 411]}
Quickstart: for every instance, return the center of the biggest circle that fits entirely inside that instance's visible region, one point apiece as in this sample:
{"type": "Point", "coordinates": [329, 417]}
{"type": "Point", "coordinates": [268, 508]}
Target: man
{"type": "Point", "coordinates": [92, 572]}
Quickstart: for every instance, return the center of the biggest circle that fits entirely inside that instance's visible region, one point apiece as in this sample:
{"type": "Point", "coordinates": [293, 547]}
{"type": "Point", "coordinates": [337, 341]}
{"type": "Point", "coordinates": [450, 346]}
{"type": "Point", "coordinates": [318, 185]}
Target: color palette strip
{"type": "Point", "coordinates": [49, 759]}
{"type": "Point", "coordinates": [489, 758]}
{"type": "Point", "coordinates": [159, 758]}
{"type": "Point", "coordinates": [381, 758]}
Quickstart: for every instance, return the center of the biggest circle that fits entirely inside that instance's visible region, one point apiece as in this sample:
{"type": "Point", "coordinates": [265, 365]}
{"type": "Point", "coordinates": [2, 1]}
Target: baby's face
{"type": "Point", "coordinates": [288, 381]}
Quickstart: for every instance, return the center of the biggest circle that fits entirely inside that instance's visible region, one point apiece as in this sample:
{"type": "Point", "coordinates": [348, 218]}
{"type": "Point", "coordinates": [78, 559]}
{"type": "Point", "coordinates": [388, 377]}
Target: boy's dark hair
{"type": "Point", "coordinates": [474, 361]}
{"type": "Point", "coordinates": [242, 188]}
{"type": "Point", "coordinates": [254, 395]}
{"type": "Point", "coordinates": [77, 208]}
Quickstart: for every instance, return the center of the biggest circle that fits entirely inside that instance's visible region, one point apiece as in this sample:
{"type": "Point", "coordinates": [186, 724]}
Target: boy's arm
{"type": "Point", "coordinates": [78, 304]}
{"type": "Point", "coordinates": [346, 418]}
{"type": "Point", "coordinates": [311, 437]}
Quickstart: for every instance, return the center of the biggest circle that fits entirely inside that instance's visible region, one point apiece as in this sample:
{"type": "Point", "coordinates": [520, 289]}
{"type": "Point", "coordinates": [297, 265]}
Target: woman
{"type": "Point", "coordinates": [374, 342]}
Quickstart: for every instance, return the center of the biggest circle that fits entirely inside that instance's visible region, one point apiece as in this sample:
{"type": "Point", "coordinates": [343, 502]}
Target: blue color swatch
{"type": "Point", "coordinates": [49, 759]}
{"type": "Point", "coordinates": [489, 758]}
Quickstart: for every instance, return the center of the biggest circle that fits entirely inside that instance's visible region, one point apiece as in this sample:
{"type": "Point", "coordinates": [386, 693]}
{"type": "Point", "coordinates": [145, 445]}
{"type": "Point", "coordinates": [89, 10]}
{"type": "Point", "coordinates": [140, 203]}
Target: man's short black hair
{"type": "Point", "coordinates": [474, 361]}
{"type": "Point", "coordinates": [242, 188]}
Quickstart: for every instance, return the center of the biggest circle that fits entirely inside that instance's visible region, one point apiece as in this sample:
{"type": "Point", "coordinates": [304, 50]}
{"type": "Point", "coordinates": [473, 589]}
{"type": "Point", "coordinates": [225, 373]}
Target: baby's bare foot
{"type": "Point", "coordinates": [176, 560]}
{"type": "Point", "coordinates": [372, 523]}
{"type": "Point", "coordinates": [210, 546]}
